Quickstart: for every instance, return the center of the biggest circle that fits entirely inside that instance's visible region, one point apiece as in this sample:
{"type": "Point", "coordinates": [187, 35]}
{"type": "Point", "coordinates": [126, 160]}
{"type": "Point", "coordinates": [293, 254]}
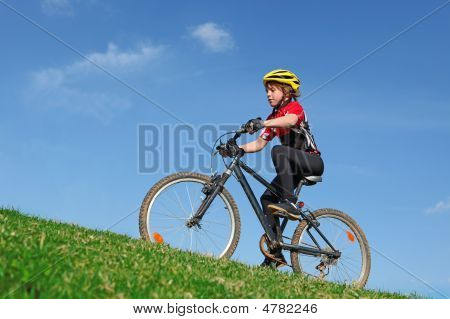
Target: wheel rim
{"type": "Point", "coordinates": [350, 267]}
{"type": "Point", "coordinates": [175, 203]}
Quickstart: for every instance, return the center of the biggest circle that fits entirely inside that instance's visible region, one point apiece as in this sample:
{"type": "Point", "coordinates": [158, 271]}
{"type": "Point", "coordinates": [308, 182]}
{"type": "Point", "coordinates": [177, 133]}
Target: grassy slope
{"type": "Point", "coordinates": [47, 259]}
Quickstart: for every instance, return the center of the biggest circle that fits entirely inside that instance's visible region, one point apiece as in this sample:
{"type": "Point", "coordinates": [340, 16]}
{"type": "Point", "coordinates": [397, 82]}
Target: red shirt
{"type": "Point", "coordinates": [291, 108]}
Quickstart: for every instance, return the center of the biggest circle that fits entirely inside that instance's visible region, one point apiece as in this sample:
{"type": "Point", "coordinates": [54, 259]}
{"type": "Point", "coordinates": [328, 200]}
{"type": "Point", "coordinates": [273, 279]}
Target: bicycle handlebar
{"type": "Point", "coordinates": [232, 141]}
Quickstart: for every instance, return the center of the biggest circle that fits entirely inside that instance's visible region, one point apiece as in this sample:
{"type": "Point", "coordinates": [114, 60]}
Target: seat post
{"type": "Point", "coordinates": [299, 187]}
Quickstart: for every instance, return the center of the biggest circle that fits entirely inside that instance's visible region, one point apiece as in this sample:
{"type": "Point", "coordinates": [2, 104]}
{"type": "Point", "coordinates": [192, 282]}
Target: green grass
{"type": "Point", "coordinates": [46, 259]}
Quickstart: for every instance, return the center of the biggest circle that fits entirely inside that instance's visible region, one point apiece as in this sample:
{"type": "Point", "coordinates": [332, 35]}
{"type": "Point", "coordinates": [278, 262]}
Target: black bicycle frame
{"type": "Point", "coordinates": [237, 166]}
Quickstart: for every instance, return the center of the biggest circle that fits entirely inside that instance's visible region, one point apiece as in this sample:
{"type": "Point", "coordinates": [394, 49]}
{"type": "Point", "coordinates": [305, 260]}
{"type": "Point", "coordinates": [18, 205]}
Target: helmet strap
{"type": "Point", "coordinates": [283, 102]}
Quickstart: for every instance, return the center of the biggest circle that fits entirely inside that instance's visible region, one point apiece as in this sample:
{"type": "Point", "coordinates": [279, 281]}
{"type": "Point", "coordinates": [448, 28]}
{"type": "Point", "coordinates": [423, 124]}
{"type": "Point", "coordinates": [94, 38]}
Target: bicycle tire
{"type": "Point", "coordinates": [349, 222]}
{"type": "Point", "coordinates": [156, 189]}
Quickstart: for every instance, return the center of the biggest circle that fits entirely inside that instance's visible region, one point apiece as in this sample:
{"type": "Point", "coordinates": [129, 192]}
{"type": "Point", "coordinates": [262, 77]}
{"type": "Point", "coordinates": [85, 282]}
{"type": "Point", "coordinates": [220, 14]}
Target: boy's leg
{"type": "Point", "coordinates": [268, 198]}
{"type": "Point", "coordinates": [282, 157]}
{"type": "Point", "coordinates": [306, 164]}
{"type": "Point", "coordinates": [291, 165]}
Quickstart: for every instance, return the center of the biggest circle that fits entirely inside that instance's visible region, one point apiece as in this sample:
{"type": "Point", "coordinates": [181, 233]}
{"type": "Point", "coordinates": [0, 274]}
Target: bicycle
{"type": "Point", "coordinates": [343, 259]}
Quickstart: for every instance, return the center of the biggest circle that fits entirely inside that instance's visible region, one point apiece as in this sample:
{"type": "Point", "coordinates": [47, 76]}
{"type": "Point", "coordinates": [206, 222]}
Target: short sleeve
{"type": "Point", "coordinates": [297, 109]}
{"type": "Point", "coordinates": [267, 134]}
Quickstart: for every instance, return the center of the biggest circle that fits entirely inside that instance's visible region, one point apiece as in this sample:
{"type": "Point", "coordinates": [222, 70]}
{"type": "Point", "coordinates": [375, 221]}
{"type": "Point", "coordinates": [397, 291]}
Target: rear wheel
{"type": "Point", "coordinates": [344, 234]}
{"type": "Point", "coordinates": [173, 200]}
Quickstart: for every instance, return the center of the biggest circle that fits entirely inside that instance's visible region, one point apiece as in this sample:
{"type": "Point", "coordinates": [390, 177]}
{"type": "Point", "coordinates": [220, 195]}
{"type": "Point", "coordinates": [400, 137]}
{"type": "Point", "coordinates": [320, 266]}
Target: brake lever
{"type": "Point", "coordinates": [241, 130]}
{"type": "Point", "coordinates": [219, 147]}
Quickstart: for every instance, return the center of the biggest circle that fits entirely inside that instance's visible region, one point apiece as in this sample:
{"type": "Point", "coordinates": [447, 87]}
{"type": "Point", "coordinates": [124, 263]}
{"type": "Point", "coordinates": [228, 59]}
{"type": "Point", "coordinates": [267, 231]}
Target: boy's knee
{"type": "Point", "coordinates": [264, 197]}
{"type": "Point", "coordinates": [267, 197]}
{"type": "Point", "coordinates": [279, 155]}
{"type": "Point", "coordinates": [278, 149]}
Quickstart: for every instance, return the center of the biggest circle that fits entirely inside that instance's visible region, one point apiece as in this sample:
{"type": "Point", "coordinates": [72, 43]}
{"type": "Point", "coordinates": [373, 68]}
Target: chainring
{"type": "Point", "coordinates": [264, 247]}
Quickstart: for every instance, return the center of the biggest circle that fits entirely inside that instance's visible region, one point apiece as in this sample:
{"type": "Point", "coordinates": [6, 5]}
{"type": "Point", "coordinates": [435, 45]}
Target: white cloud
{"type": "Point", "coordinates": [57, 7]}
{"type": "Point", "coordinates": [83, 88]}
{"type": "Point", "coordinates": [118, 60]}
{"type": "Point", "coordinates": [213, 37]}
{"type": "Point", "coordinates": [440, 207]}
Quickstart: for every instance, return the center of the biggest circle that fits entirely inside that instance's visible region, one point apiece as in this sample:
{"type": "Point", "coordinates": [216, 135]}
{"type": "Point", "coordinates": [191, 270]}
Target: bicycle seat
{"type": "Point", "coordinates": [311, 180]}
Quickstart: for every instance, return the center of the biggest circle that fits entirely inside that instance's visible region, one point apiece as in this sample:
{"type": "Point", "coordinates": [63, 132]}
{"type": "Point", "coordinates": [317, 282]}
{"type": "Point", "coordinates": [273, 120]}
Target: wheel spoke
{"type": "Point", "coordinates": [344, 271]}
{"type": "Point", "coordinates": [214, 234]}
{"type": "Point", "coordinates": [212, 240]}
{"type": "Point", "coordinates": [197, 198]}
{"type": "Point", "coordinates": [338, 233]}
{"type": "Point", "coordinates": [215, 223]}
{"type": "Point", "coordinates": [167, 210]}
{"type": "Point", "coordinates": [349, 267]}
{"type": "Point", "coordinates": [348, 258]}
{"type": "Point", "coordinates": [167, 230]}
{"type": "Point", "coordinates": [189, 196]}
{"type": "Point", "coordinates": [179, 203]}
{"type": "Point", "coordinates": [174, 204]}
{"type": "Point", "coordinates": [182, 240]}
{"type": "Point", "coordinates": [167, 217]}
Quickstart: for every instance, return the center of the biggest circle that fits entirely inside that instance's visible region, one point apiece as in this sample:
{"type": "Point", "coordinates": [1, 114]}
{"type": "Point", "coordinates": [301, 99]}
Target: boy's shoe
{"type": "Point", "coordinates": [267, 262]}
{"type": "Point", "coordinates": [284, 210]}
{"type": "Point", "coordinates": [280, 260]}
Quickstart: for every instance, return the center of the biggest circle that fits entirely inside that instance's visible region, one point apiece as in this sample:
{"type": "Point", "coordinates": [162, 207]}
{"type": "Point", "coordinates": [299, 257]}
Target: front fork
{"type": "Point", "coordinates": [216, 185]}
{"type": "Point", "coordinates": [211, 190]}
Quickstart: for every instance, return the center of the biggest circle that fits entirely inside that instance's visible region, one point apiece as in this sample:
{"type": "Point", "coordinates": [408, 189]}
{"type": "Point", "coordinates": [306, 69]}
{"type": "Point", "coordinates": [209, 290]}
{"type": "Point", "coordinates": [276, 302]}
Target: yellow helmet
{"type": "Point", "coordinates": [283, 76]}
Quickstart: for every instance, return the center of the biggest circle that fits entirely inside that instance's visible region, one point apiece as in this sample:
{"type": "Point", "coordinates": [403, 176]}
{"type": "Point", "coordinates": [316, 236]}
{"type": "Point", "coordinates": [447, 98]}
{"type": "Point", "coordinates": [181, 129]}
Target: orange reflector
{"type": "Point", "coordinates": [158, 238]}
{"type": "Point", "coordinates": [350, 236]}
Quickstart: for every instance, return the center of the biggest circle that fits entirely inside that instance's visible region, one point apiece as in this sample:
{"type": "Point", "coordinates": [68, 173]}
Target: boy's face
{"type": "Point", "coordinates": [274, 94]}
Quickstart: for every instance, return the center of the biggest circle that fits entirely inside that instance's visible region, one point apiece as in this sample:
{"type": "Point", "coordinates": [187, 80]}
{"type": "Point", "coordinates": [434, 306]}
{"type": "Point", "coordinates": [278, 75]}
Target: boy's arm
{"type": "Point", "coordinates": [254, 146]}
{"type": "Point", "coordinates": [288, 120]}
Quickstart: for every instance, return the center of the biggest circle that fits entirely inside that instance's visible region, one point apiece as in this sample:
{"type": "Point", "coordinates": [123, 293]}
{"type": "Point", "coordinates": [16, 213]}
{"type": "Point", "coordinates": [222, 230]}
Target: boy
{"type": "Point", "coordinates": [296, 157]}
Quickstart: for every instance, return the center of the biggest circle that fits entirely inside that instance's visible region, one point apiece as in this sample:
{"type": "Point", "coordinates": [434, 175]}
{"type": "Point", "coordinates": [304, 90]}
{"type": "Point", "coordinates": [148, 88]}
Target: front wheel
{"type": "Point", "coordinates": [344, 234]}
{"type": "Point", "coordinates": [170, 204]}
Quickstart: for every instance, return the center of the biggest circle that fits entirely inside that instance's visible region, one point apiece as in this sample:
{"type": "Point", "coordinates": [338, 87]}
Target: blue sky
{"type": "Point", "coordinates": [69, 132]}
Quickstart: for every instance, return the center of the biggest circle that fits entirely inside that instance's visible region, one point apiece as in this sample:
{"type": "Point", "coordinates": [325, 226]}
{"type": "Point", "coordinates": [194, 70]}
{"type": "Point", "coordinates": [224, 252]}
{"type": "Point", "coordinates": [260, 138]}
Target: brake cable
{"type": "Point", "coordinates": [213, 148]}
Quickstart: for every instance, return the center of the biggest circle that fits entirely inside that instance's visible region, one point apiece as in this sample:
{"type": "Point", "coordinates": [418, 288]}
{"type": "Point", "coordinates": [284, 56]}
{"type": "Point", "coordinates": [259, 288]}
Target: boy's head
{"type": "Point", "coordinates": [281, 86]}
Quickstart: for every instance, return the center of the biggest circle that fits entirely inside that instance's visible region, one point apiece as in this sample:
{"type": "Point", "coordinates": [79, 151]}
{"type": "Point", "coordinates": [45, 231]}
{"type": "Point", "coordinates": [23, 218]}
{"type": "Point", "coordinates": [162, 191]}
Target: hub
{"type": "Point", "coordinates": [193, 222]}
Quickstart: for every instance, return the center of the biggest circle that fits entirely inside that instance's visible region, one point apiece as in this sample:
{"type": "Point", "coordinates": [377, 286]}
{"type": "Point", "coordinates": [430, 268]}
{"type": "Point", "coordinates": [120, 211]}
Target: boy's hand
{"type": "Point", "coordinates": [254, 125]}
{"type": "Point", "coordinates": [229, 150]}
{"type": "Point", "coordinates": [223, 151]}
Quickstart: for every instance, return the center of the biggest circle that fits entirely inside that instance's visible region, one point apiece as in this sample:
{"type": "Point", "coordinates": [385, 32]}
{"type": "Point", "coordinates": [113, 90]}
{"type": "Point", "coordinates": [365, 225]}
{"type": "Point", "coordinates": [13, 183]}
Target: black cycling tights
{"type": "Point", "coordinates": [291, 165]}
